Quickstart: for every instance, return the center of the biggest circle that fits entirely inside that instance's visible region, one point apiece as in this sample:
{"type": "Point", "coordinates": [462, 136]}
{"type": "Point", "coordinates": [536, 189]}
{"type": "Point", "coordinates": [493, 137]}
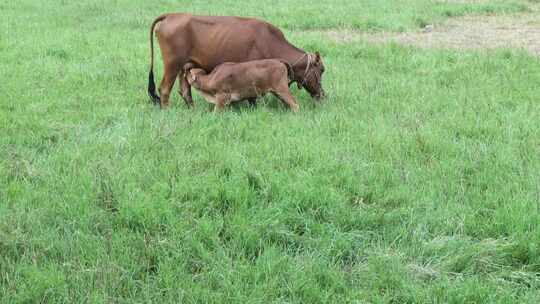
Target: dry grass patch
{"type": "Point", "coordinates": [471, 32]}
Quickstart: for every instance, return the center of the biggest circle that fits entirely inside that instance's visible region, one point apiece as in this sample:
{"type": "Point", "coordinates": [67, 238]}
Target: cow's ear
{"type": "Point", "coordinates": [317, 57]}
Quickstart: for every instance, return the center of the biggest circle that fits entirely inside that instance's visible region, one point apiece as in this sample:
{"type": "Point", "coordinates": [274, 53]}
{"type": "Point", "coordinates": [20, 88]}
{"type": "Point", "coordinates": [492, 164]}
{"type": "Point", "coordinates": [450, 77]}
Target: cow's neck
{"type": "Point", "coordinates": [299, 60]}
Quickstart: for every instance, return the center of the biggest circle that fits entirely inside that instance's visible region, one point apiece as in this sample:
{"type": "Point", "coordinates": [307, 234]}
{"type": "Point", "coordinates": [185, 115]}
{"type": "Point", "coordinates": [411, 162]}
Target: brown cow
{"type": "Point", "coordinates": [230, 82]}
{"type": "Point", "coordinates": [207, 41]}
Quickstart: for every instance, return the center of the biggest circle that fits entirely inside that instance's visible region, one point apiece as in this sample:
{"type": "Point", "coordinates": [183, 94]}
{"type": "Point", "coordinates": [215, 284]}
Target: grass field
{"type": "Point", "coordinates": [417, 181]}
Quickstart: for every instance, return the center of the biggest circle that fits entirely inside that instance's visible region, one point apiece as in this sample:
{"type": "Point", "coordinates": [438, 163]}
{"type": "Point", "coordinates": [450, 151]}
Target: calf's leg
{"type": "Point", "coordinates": [286, 96]}
{"type": "Point", "coordinates": [220, 101]}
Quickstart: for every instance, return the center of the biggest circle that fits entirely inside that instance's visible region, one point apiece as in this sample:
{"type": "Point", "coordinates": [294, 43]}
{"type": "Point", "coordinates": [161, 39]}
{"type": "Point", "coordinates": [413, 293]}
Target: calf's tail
{"type": "Point", "coordinates": [151, 83]}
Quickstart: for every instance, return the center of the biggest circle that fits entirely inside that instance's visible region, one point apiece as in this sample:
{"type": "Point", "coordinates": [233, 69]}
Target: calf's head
{"type": "Point", "coordinates": [312, 78]}
{"type": "Point", "coordinates": [194, 75]}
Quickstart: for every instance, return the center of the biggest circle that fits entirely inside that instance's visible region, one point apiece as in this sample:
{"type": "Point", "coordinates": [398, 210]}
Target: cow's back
{"type": "Point", "coordinates": [211, 40]}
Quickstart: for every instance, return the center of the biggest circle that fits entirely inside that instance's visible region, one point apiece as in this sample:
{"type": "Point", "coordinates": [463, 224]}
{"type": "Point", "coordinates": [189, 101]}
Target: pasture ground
{"type": "Point", "coordinates": [417, 181]}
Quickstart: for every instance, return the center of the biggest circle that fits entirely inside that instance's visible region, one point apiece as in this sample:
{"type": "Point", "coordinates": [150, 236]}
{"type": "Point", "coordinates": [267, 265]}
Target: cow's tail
{"type": "Point", "coordinates": [151, 83]}
{"type": "Point", "coordinates": [290, 71]}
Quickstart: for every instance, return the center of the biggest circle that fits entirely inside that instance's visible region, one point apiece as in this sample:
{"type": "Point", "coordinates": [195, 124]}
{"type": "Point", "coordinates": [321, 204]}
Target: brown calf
{"type": "Point", "coordinates": [230, 82]}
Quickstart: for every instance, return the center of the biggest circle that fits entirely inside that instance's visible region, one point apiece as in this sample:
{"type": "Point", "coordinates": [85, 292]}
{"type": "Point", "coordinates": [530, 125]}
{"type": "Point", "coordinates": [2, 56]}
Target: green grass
{"type": "Point", "coordinates": [416, 182]}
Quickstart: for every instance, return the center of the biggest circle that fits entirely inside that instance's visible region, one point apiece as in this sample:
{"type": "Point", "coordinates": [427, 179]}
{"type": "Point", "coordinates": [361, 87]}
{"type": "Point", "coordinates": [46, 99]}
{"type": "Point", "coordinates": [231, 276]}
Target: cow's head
{"type": "Point", "coordinates": [312, 78]}
{"type": "Point", "coordinates": [194, 74]}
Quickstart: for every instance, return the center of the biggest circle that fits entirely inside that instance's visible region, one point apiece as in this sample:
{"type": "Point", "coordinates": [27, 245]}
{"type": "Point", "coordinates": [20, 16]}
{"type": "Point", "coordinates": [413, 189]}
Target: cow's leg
{"type": "Point", "coordinates": [285, 95]}
{"type": "Point", "coordinates": [185, 89]}
{"type": "Point", "coordinates": [169, 76]}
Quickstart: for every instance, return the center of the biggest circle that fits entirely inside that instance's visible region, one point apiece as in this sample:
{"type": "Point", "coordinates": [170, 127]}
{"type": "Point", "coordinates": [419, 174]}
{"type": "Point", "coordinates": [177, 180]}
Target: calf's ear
{"type": "Point", "coordinates": [188, 66]}
{"type": "Point", "coordinates": [191, 76]}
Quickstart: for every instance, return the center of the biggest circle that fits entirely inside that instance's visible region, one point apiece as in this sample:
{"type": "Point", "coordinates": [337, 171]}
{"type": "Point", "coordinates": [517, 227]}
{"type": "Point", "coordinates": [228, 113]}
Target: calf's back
{"type": "Point", "coordinates": [264, 75]}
